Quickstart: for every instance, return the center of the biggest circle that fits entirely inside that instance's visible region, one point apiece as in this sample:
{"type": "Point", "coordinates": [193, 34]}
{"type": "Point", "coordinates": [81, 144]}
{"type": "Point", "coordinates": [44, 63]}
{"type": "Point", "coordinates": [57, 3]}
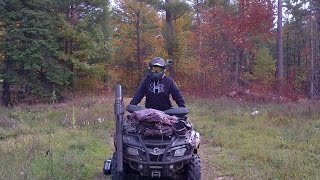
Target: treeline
{"type": "Point", "coordinates": [218, 46]}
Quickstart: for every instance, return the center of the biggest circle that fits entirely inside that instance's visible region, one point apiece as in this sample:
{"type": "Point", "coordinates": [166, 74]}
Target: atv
{"type": "Point", "coordinates": [172, 155]}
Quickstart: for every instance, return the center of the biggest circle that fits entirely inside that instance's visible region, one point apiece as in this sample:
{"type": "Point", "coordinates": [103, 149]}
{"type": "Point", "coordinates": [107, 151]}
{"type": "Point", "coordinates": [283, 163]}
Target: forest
{"type": "Point", "coordinates": [256, 49]}
{"type": "Point", "coordinates": [249, 71]}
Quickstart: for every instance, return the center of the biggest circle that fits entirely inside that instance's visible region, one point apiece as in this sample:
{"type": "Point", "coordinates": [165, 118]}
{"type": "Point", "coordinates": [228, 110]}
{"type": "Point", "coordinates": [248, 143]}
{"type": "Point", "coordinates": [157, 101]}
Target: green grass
{"type": "Point", "coordinates": [71, 140]}
{"type": "Point", "coordinates": [60, 141]}
{"type": "Point", "coordinates": [281, 142]}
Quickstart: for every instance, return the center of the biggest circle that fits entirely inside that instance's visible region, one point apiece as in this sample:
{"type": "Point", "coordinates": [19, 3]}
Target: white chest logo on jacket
{"type": "Point", "coordinates": [159, 87]}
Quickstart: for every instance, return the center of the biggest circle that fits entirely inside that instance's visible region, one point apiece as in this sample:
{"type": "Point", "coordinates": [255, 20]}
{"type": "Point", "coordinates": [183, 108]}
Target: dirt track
{"type": "Point", "coordinates": [209, 170]}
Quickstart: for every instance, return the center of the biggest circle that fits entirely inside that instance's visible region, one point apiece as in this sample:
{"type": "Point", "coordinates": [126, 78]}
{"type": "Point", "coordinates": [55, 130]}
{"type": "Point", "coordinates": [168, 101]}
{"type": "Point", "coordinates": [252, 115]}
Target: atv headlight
{"type": "Point", "coordinates": [180, 152]}
{"type": "Point", "coordinates": [132, 151]}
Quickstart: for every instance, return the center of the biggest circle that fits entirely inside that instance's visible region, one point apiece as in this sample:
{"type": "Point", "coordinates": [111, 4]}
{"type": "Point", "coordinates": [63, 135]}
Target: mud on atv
{"type": "Point", "coordinates": [168, 155]}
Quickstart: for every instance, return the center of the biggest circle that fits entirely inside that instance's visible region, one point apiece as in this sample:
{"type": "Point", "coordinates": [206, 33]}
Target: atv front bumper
{"type": "Point", "coordinates": [158, 169]}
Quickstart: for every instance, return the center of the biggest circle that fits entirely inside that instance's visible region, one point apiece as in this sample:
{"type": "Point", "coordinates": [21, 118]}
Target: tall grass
{"type": "Point", "coordinates": [71, 140]}
{"type": "Point", "coordinates": [281, 142]}
{"type": "Point", "coordinates": [58, 141]}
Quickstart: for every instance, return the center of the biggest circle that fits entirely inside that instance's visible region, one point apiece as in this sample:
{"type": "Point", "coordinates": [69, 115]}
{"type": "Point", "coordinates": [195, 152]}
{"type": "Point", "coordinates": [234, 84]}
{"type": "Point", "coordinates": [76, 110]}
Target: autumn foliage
{"type": "Point", "coordinates": [228, 44]}
{"type": "Point", "coordinates": [218, 47]}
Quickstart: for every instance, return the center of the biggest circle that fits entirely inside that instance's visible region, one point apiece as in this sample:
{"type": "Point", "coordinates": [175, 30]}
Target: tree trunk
{"type": "Point", "coordinates": [317, 24]}
{"type": "Point", "coordinates": [317, 38]}
{"type": "Point", "coordinates": [287, 53]}
{"type": "Point", "coordinates": [169, 31]}
{"type": "Point", "coordinates": [169, 37]}
{"type": "Point", "coordinates": [138, 40]}
{"type": "Point", "coordinates": [279, 72]}
{"type": "Point", "coordinates": [68, 46]}
{"type": "Point", "coordinates": [199, 24]}
{"type": "Point", "coordinates": [5, 93]}
{"type": "Point", "coordinates": [312, 74]}
{"type": "Point", "coordinates": [5, 98]}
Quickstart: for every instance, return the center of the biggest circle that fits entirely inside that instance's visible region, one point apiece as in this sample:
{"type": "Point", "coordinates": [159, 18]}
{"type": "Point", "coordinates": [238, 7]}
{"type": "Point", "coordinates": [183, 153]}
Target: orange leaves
{"type": "Point", "coordinates": [256, 17]}
{"type": "Point", "coordinates": [252, 18]}
{"type": "Point", "coordinates": [226, 39]}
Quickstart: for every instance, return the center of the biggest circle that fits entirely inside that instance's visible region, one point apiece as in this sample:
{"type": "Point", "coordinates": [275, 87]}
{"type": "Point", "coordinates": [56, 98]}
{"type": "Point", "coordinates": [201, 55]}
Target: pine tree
{"type": "Point", "coordinates": [174, 10]}
{"type": "Point", "coordinates": [31, 51]}
{"type": "Point", "coordinates": [86, 37]}
{"type": "Point", "coordinates": [138, 38]}
{"type": "Point", "coordinates": [264, 66]}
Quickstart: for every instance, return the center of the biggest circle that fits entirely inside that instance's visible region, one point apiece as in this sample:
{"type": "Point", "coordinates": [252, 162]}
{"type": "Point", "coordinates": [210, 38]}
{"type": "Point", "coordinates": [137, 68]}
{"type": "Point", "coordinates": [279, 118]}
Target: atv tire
{"type": "Point", "coordinates": [193, 169]}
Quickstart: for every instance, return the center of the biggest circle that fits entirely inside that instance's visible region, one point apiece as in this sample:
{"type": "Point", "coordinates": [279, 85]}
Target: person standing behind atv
{"type": "Point", "coordinates": [157, 87]}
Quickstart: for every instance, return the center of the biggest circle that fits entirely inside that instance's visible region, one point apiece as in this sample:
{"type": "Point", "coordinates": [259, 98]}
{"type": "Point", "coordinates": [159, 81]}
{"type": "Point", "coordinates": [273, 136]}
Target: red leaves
{"type": "Point", "coordinates": [227, 35]}
{"type": "Point", "coordinates": [253, 18]}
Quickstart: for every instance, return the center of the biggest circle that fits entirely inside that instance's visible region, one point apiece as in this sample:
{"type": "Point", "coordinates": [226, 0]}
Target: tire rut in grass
{"type": "Point", "coordinates": [210, 171]}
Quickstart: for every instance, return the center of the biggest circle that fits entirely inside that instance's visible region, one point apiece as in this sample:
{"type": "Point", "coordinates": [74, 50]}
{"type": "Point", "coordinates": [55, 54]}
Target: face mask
{"type": "Point", "coordinates": [156, 75]}
{"type": "Point", "coordinates": [156, 72]}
